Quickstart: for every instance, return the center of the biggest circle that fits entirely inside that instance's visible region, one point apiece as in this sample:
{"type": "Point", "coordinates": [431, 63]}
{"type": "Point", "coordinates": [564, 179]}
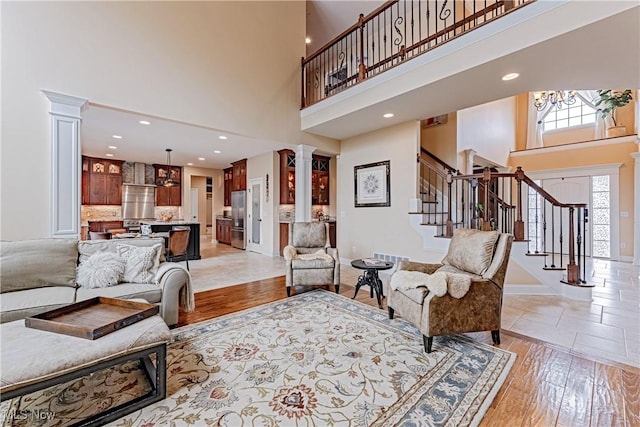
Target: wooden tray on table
{"type": "Point", "coordinates": [93, 318]}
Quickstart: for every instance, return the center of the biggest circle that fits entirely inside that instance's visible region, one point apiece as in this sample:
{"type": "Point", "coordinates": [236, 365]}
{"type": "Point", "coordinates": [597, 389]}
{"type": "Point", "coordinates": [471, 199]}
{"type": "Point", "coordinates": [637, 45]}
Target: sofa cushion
{"type": "Point", "coordinates": [141, 264]}
{"type": "Point", "coordinates": [471, 250]}
{"type": "Point", "coordinates": [29, 302]}
{"type": "Point", "coordinates": [86, 248]}
{"type": "Point", "coordinates": [101, 270]}
{"type": "Point", "coordinates": [29, 264]}
{"type": "Point", "coordinates": [148, 291]}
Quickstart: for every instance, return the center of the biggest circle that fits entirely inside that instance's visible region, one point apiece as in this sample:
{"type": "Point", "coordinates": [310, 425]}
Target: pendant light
{"type": "Point", "coordinates": [169, 181]}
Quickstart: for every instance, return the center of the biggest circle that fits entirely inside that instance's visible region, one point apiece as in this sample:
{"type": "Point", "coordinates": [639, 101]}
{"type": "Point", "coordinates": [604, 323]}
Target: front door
{"type": "Point", "coordinates": [566, 190]}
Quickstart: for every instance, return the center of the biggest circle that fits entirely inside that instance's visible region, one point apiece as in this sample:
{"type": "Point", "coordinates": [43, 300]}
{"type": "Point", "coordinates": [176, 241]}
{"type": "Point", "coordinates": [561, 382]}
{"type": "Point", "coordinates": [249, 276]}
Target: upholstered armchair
{"type": "Point", "coordinates": [309, 258]}
{"type": "Point", "coordinates": [462, 294]}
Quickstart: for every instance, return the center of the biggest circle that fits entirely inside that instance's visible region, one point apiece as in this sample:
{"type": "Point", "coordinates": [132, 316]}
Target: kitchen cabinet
{"type": "Point", "coordinates": [223, 231]}
{"type": "Point", "coordinates": [102, 226]}
{"type": "Point", "coordinates": [172, 195]}
{"type": "Point", "coordinates": [319, 178]}
{"type": "Point", "coordinates": [228, 185]}
{"type": "Point", "coordinates": [239, 175]}
{"type": "Point", "coordinates": [287, 177]}
{"type": "Point", "coordinates": [101, 181]}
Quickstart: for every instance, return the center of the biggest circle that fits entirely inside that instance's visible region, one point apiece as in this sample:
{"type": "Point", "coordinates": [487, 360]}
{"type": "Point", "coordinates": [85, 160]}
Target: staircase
{"type": "Point", "coordinates": [549, 235]}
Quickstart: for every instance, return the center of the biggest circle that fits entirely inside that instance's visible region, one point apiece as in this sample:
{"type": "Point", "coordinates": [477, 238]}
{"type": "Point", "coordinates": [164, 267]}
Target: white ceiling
{"type": "Point", "coordinates": [582, 62]}
{"type": "Point", "coordinates": [147, 143]}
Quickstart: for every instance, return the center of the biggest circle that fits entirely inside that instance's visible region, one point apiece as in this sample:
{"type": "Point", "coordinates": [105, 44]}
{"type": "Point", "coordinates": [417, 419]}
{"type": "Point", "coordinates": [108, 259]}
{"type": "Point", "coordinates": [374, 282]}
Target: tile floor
{"type": "Point", "coordinates": [608, 327]}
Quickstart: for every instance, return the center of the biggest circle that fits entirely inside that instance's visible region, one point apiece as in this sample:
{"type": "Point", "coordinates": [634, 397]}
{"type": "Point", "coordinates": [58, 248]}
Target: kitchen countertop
{"type": "Point", "coordinates": [223, 218]}
{"type": "Point", "coordinates": [158, 222]}
{"type": "Point", "coordinates": [282, 221]}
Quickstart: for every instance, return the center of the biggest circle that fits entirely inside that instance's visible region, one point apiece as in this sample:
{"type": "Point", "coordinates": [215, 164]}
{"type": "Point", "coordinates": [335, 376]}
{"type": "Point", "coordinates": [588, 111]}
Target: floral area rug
{"type": "Point", "coordinates": [315, 359]}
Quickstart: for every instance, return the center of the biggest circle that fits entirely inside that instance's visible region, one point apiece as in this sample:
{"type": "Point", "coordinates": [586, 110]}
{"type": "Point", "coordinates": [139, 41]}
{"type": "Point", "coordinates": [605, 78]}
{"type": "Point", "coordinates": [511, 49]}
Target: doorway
{"type": "Point", "coordinates": [254, 216]}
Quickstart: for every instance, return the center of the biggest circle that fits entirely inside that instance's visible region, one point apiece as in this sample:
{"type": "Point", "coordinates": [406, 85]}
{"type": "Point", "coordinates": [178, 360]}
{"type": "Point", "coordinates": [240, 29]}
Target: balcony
{"type": "Point", "coordinates": [421, 59]}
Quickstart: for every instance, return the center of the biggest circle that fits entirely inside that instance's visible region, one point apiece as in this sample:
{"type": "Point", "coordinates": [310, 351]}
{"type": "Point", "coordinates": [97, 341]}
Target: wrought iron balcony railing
{"type": "Point", "coordinates": [390, 35]}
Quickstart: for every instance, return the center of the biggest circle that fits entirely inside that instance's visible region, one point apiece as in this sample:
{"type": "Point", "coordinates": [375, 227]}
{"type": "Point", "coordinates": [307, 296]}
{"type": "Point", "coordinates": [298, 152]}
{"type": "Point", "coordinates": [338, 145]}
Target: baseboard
{"type": "Point", "coordinates": [528, 290]}
{"type": "Point", "coordinates": [626, 258]}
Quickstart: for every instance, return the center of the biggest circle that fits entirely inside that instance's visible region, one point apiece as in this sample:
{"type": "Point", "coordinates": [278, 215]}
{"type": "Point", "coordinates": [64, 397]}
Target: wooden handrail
{"type": "Point", "coordinates": [430, 166]}
{"type": "Point", "coordinates": [439, 160]}
{"type": "Point", "coordinates": [549, 198]}
{"type": "Point", "coordinates": [440, 33]}
{"type": "Point", "coordinates": [353, 27]}
{"type": "Point", "coordinates": [356, 34]}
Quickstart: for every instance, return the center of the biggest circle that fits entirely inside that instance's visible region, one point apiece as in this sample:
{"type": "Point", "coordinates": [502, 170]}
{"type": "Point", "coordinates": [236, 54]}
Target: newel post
{"type": "Point", "coordinates": [362, 68]}
{"type": "Point", "coordinates": [449, 227]}
{"type": "Point", "coordinates": [302, 97]}
{"type": "Point", "coordinates": [486, 179]}
{"type": "Point", "coordinates": [518, 227]}
{"type": "Point", "coordinates": [572, 267]}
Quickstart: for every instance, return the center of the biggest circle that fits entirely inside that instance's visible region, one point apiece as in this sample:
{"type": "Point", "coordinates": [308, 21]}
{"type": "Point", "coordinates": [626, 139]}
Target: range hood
{"type": "Point", "coordinates": [138, 198]}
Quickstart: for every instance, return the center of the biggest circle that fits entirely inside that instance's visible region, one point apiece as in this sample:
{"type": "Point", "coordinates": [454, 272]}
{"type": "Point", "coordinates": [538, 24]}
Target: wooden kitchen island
{"type": "Point", "coordinates": [193, 250]}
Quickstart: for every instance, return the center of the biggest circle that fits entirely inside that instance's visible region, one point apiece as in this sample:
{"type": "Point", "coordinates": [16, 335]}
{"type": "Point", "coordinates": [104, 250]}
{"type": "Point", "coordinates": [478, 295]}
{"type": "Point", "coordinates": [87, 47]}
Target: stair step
{"type": "Point", "coordinates": [581, 285]}
{"type": "Point", "coordinates": [537, 254]}
{"type": "Point", "coordinates": [554, 268]}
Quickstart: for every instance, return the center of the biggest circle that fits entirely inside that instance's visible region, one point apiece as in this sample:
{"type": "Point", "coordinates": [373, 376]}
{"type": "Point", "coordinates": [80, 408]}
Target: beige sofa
{"type": "Point", "coordinates": [40, 275]}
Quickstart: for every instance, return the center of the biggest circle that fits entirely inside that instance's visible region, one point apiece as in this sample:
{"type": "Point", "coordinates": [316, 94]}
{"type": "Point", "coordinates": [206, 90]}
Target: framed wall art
{"type": "Point", "coordinates": [373, 184]}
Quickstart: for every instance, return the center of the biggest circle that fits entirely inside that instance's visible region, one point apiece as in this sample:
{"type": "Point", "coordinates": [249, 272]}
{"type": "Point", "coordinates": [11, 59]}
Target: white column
{"type": "Point", "coordinates": [66, 114]}
{"type": "Point", "coordinates": [303, 182]}
{"type": "Point", "coordinates": [469, 155]}
{"type": "Point", "coordinates": [636, 209]}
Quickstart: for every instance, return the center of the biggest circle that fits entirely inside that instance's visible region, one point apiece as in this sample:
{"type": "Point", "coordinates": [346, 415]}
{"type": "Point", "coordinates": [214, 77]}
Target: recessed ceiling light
{"type": "Point", "coordinates": [109, 154]}
{"type": "Point", "coordinates": [510, 76]}
{"type": "Point", "coordinates": [144, 122]}
{"type": "Point", "coordinates": [117, 136]}
{"type": "Point", "coordinates": [388, 115]}
{"type": "Point", "coordinates": [222, 137]}
{"type": "Point", "coordinates": [189, 164]}
{"type": "Point", "coordinates": [217, 151]}
{"type": "Point", "coordinates": [307, 40]}
{"type": "Point", "coordinates": [200, 158]}
{"type": "Point", "coordinates": [113, 147]}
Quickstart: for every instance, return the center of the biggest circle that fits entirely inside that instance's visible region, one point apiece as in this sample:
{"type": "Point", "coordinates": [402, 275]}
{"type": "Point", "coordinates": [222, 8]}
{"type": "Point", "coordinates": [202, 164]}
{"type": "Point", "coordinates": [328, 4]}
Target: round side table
{"type": "Point", "coordinates": [370, 277]}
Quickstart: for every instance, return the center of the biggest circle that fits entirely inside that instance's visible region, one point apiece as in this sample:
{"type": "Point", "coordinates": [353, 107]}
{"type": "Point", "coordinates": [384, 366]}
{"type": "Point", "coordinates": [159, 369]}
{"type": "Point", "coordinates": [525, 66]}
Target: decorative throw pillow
{"type": "Point", "coordinates": [141, 263]}
{"type": "Point", "coordinates": [471, 250]}
{"type": "Point", "coordinates": [100, 270]}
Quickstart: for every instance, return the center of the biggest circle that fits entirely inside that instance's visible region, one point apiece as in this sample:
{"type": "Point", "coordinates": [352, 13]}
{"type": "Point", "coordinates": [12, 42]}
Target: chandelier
{"type": "Point", "coordinates": [169, 179]}
{"type": "Point", "coordinates": [553, 97]}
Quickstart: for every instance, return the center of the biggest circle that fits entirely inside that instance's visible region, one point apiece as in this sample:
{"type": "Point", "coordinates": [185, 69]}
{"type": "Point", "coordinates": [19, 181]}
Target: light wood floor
{"type": "Point", "coordinates": [547, 386]}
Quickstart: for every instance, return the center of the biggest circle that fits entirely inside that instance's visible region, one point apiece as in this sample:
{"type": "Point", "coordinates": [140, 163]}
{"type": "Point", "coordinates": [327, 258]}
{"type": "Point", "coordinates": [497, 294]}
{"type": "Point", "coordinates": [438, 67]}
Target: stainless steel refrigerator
{"type": "Point", "coordinates": [238, 212]}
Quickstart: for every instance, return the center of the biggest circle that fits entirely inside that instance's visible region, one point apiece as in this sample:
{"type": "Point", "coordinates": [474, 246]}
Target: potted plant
{"type": "Point", "coordinates": [608, 101]}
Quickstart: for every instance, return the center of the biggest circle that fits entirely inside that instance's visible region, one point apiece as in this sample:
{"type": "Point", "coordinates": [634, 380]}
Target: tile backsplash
{"type": "Point", "coordinates": [287, 213]}
{"type": "Point", "coordinates": [114, 213]}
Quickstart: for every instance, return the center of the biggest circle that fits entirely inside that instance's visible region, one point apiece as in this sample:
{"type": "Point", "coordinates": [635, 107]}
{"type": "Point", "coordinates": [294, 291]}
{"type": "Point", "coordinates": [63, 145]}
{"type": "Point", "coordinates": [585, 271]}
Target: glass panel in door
{"type": "Point", "coordinates": [255, 213]}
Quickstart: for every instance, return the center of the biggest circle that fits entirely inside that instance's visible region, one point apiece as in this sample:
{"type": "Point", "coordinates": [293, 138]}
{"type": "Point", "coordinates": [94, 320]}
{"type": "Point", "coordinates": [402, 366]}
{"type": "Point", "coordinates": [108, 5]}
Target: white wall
{"type": "Point", "coordinates": [225, 65]}
{"type": "Point", "coordinates": [260, 167]}
{"type": "Point", "coordinates": [364, 230]}
{"type": "Point", "coordinates": [191, 175]}
{"type": "Point", "coordinates": [489, 129]}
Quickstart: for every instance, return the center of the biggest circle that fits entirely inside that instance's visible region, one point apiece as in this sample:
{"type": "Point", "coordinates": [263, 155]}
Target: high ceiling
{"type": "Point", "coordinates": [326, 19]}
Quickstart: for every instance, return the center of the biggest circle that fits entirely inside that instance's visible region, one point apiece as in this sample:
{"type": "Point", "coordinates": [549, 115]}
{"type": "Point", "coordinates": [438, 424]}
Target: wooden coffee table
{"type": "Point", "coordinates": [370, 277]}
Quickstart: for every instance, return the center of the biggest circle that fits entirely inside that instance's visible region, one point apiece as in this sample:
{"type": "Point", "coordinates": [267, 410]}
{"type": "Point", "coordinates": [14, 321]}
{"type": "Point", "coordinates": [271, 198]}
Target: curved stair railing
{"type": "Point", "coordinates": [511, 203]}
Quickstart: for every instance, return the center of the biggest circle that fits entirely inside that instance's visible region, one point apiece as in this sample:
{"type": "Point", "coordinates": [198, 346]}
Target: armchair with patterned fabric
{"type": "Point", "coordinates": [310, 259]}
{"type": "Point", "coordinates": [462, 294]}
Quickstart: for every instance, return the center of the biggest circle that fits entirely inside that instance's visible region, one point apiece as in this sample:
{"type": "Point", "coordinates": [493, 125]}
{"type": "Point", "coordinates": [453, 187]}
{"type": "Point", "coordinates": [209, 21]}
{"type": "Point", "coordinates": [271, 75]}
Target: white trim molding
{"type": "Point", "coordinates": [66, 115]}
{"type": "Point", "coordinates": [574, 146]}
{"type": "Point", "coordinates": [636, 209]}
{"type": "Point", "coordinates": [303, 182]}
